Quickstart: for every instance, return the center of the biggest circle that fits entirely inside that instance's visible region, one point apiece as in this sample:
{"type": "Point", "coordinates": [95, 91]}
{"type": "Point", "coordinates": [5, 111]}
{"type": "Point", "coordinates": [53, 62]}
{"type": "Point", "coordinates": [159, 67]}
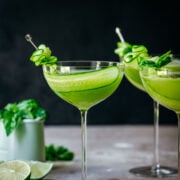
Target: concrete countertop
{"type": "Point", "coordinates": [112, 151]}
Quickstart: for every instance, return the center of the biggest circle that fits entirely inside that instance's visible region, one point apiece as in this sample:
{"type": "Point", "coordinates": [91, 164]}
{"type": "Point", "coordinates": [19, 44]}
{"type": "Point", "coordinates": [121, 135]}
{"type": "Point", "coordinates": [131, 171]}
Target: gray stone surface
{"type": "Point", "coordinates": [112, 151]}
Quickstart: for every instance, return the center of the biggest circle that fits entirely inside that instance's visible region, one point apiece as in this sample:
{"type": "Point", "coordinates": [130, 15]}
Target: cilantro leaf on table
{"type": "Point", "coordinates": [54, 153]}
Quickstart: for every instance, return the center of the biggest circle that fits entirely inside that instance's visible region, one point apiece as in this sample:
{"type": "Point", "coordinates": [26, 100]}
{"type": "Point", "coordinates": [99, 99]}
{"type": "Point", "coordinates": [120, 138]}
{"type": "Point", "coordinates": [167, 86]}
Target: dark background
{"type": "Point", "coordinates": [77, 29]}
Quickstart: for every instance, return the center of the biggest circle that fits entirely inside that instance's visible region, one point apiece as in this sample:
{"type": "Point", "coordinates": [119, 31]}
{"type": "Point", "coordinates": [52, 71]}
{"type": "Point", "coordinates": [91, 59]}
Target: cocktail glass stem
{"type": "Point", "coordinates": [156, 165]}
{"type": "Point", "coordinates": [178, 116]}
{"type": "Point", "coordinates": [84, 143]}
{"type": "Point", "coordinates": [155, 170]}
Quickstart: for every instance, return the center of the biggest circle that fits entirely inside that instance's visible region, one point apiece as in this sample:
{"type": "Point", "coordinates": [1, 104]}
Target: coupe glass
{"type": "Point", "coordinates": [155, 170]}
{"type": "Point", "coordinates": [163, 85]}
{"type": "Point", "coordinates": [84, 84]}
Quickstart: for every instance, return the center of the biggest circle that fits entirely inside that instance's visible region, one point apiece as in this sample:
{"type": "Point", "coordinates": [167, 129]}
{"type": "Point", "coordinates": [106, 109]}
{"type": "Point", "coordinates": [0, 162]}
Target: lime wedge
{"type": "Point", "coordinates": [15, 169]}
{"type": "Point", "coordinates": [39, 169]}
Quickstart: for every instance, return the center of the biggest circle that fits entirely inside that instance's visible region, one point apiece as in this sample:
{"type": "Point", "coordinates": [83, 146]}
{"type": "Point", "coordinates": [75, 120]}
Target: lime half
{"type": "Point", "coordinates": [15, 169]}
{"type": "Point", "coordinates": [39, 169]}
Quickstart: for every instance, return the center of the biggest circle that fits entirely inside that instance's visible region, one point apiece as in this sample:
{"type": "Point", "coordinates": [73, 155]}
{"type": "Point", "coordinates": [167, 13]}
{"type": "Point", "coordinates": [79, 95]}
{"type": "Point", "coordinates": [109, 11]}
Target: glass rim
{"type": "Point", "coordinates": [84, 62]}
{"type": "Point", "coordinates": [159, 72]}
{"type": "Point", "coordinates": [88, 60]}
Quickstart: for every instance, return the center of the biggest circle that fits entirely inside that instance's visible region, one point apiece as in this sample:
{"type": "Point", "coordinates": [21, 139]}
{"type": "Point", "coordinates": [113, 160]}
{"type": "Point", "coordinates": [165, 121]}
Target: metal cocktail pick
{"type": "Point", "coordinates": [29, 39]}
{"type": "Point", "coordinates": [118, 32]}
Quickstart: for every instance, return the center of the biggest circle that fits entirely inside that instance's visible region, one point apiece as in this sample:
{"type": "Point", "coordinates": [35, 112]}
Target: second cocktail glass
{"type": "Point", "coordinates": [84, 84]}
{"type": "Point", "coordinates": [130, 54]}
{"type": "Point", "coordinates": [163, 85]}
{"type": "Point", "coordinates": [156, 170]}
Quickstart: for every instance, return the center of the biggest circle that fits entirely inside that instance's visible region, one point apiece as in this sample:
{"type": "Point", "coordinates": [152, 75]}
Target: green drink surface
{"type": "Point", "coordinates": [84, 89]}
{"type": "Point", "coordinates": [133, 76]}
{"type": "Point", "coordinates": [164, 87]}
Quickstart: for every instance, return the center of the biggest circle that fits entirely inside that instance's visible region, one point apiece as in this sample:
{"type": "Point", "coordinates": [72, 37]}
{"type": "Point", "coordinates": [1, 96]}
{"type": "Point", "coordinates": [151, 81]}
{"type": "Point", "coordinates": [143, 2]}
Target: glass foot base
{"type": "Point", "coordinates": [148, 171]}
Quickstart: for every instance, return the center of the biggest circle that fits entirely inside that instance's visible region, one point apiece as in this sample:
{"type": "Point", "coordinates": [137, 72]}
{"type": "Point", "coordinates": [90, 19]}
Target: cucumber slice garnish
{"type": "Point", "coordinates": [139, 53]}
{"type": "Point", "coordinates": [42, 55]}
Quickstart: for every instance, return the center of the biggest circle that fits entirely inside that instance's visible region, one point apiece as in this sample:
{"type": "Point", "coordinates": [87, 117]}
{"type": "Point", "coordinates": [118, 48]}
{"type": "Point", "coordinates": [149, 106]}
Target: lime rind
{"type": "Point", "coordinates": [21, 170]}
{"type": "Point", "coordinates": [39, 169]}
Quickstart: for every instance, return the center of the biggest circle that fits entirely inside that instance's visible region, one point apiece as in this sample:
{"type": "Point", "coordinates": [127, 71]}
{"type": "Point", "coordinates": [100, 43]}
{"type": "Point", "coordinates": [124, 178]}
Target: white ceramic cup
{"type": "Point", "coordinates": [24, 143]}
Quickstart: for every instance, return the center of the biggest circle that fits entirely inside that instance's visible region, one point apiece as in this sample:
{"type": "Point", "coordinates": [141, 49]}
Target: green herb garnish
{"type": "Point", "coordinates": [42, 55]}
{"type": "Point", "coordinates": [58, 153]}
{"type": "Point", "coordinates": [129, 53]}
{"type": "Point", "coordinates": [156, 61]}
{"type": "Point", "coordinates": [13, 114]}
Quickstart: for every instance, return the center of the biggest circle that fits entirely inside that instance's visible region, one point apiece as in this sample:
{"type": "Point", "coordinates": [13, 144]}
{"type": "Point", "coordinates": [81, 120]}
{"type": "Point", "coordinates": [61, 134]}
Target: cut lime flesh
{"type": "Point", "coordinates": [39, 169]}
{"type": "Point", "coordinates": [14, 169]}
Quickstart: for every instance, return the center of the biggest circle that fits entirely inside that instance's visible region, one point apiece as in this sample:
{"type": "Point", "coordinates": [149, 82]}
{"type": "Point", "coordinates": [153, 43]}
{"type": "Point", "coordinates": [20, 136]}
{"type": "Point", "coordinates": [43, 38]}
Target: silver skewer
{"type": "Point", "coordinates": [118, 32]}
{"type": "Point", "coordinates": [29, 39]}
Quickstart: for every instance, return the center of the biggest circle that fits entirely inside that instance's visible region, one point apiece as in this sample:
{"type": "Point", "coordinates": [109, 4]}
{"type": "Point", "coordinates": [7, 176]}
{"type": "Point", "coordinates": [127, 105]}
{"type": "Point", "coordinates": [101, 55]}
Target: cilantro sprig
{"type": "Point", "coordinates": [156, 61]}
{"type": "Point", "coordinates": [13, 114]}
{"type": "Point", "coordinates": [54, 153]}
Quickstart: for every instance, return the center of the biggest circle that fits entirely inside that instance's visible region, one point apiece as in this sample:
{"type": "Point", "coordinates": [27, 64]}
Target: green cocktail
{"type": "Point", "coordinates": [83, 86]}
{"type": "Point", "coordinates": [132, 74]}
{"type": "Point", "coordinates": [80, 83]}
{"type": "Point", "coordinates": [164, 85]}
{"type": "Point", "coordinates": [133, 56]}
